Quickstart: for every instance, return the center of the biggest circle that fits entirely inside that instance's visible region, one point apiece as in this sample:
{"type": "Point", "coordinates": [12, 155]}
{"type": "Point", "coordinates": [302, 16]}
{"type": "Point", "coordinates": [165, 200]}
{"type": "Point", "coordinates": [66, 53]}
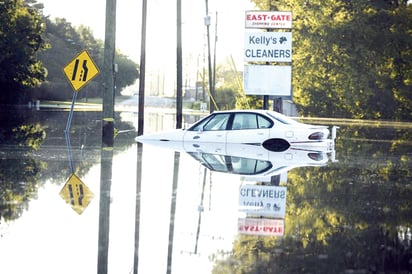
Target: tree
{"type": "Point", "coordinates": [229, 89]}
{"type": "Point", "coordinates": [351, 58]}
{"type": "Point", "coordinates": [66, 42]}
{"type": "Point", "coordinates": [21, 30]}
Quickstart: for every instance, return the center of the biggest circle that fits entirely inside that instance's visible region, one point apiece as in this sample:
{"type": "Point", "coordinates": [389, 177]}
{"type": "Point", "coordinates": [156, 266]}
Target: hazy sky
{"type": "Point", "coordinates": [161, 24]}
{"type": "Point", "coordinates": [161, 34]}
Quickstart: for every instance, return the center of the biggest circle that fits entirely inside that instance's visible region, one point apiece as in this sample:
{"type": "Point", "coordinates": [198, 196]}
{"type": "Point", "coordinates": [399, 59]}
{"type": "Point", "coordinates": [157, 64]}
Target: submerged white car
{"type": "Point", "coordinates": [269, 129]}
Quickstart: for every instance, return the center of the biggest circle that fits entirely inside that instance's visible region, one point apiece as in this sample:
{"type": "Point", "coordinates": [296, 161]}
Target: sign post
{"type": "Point", "coordinates": [272, 76]}
{"type": "Point", "coordinates": [269, 47]}
{"type": "Point", "coordinates": [79, 71]}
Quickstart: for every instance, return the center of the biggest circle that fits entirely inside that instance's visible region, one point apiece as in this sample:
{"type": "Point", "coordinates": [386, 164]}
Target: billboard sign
{"type": "Point", "coordinates": [268, 19]}
{"type": "Point", "coordinates": [260, 200]}
{"type": "Point", "coordinates": [267, 80]}
{"type": "Point", "coordinates": [268, 47]}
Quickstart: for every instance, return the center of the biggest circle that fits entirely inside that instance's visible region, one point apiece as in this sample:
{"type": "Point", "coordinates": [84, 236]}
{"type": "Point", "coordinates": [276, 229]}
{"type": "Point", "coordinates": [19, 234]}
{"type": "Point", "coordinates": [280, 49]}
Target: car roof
{"type": "Point", "coordinates": [261, 111]}
{"type": "Point", "coordinates": [245, 110]}
{"type": "Point", "coordinates": [276, 115]}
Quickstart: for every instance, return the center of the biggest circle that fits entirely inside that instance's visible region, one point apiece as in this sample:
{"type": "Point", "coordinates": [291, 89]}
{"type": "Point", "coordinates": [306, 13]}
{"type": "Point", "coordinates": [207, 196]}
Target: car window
{"type": "Point", "coordinates": [245, 166]}
{"type": "Point", "coordinates": [217, 122]}
{"type": "Point", "coordinates": [263, 122]}
{"type": "Point", "coordinates": [250, 121]}
{"type": "Point", "coordinates": [244, 121]}
{"type": "Point", "coordinates": [211, 161]}
{"type": "Point", "coordinates": [232, 164]}
{"type": "Point", "coordinates": [214, 122]}
{"type": "Point", "coordinates": [201, 124]}
{"type": "Point", "coordinates": [215, 162]}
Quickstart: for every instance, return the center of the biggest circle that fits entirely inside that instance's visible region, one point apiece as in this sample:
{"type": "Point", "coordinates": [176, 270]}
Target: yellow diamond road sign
{"type": "Point", "coordinates": [80, 70]}
{"type": "Point", "coordinates": [76, 193]}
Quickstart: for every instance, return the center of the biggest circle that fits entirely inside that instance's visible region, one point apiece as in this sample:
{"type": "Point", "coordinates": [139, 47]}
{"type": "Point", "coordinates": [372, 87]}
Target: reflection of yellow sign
{"type": "Point", "coordinates": [80, 70]}
{"type": "Point", "coordinates": [76, 193]}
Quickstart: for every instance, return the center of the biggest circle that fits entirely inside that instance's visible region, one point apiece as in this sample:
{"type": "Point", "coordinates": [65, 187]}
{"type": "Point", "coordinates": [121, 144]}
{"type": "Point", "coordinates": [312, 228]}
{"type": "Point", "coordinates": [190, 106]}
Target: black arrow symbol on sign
{"type": "Point", "coordinates": [83, 74]}
{"type": "Point", "coordinates": [85, 70]}
{"type": "Point", "coordinates": [76, 64]}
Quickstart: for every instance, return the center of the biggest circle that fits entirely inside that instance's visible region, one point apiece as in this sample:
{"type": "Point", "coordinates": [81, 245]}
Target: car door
{"type": "Point", "coordinates": [212, 130]}
{"type": "Point", "coordinates": [248, 128]}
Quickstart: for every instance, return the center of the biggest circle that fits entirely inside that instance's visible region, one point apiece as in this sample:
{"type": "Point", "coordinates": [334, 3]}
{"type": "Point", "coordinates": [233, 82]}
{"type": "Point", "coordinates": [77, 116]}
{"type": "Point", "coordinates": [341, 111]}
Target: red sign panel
{"type": "Point", "coordinates": [268, 19]}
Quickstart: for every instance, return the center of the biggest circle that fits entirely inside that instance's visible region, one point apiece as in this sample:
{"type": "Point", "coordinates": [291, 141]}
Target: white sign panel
{"type": "Point", "coordinates": [268, 47]}
{"type": "Point", "coordinates": [267, 80]}
{"type": "Point", "coordinates": [257, 200]}
{"type": "Point", "coordinates": [268, 19]}
{"type": "Point", "coordinates": [261, 226]}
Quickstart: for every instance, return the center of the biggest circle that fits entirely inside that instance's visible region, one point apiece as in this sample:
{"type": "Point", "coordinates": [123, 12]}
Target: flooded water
{"type": "Point", "coordinates": [167, 212]}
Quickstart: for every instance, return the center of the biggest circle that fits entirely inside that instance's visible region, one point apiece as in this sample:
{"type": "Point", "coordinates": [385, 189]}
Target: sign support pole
{"type": "Point", "coordinates": [67, 133]}
{"type": "Point", "coordinates": [79, 72]}
{"type": "Point", "coordinates": [265, 101]}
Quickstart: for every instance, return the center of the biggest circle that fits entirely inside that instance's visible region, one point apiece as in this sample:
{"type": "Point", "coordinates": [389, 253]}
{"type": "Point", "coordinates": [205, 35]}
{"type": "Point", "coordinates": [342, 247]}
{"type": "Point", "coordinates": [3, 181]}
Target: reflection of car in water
{"type": "Point", "coordinates": [232, 164]}
{"type": "Point", "coordinates": [270, 129]}
{"type": "Point", "coordinates": [246, 159]}
{"type": "Point", "coordinates": [274, 164]}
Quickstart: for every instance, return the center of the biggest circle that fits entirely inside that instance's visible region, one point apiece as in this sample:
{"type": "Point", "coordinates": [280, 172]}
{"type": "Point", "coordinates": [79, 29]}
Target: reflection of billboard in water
{"type": "Point", "coordinates": [260, 200]}
{"type": "Point", "coordinates": [261, 226]}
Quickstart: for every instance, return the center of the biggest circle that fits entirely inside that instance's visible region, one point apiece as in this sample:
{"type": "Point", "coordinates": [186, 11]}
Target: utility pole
{"type": "Point", "coordinates": [140, 127]}
{"type": "Point", "coordinates": [209, 58]}
{"type": "Point", "coordinates": [142, 77]}
{"type": "Point", "coordinates": [107, 137]}
{"type": "Point", "coordinates": [109, 74]}
{"type": "Point", "coordinates": [179, 80]}
{"type": "Point", "coordinates": [214, 58]}
{"type": "Point", "coordinates": [173, 212]}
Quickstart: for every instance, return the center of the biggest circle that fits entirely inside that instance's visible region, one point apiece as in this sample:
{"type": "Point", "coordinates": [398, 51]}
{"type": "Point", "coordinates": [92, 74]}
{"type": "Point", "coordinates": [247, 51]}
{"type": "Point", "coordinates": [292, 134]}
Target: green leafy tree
{"type": "Point", "coordinates": [21, 30]}
{"type": "Point", "coordinates": [351, 58]}
{"type": "Point", "coordinates": [229, 89]}
{"type": "Point", "coordinates": [66, 42]}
